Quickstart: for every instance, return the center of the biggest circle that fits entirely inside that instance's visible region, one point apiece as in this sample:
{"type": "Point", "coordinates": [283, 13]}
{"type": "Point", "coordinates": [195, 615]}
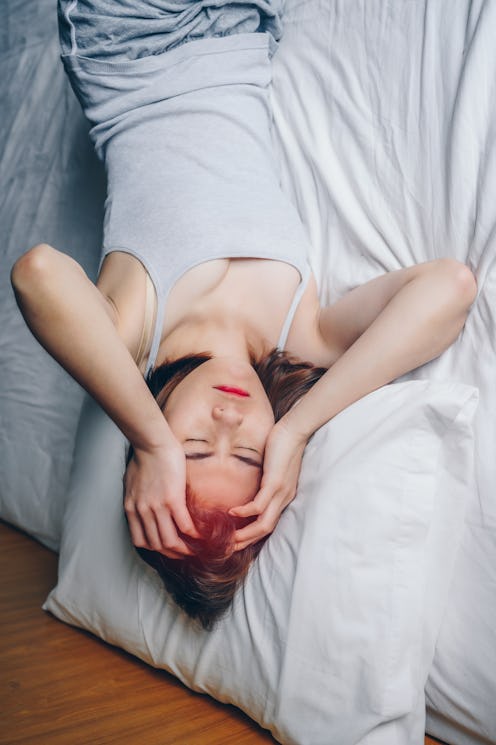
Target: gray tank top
{"type": "Point", "coordinates": [187, 144]}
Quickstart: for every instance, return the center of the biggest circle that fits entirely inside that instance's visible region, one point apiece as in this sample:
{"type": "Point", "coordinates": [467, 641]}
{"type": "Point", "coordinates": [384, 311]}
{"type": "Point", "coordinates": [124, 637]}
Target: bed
{"type": "Point", "coordinates": [372, 603]}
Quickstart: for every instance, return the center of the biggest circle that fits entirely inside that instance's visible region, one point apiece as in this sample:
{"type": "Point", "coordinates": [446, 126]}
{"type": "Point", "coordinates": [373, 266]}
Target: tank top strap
{"type": "Point", "coordinates": [294, 305]}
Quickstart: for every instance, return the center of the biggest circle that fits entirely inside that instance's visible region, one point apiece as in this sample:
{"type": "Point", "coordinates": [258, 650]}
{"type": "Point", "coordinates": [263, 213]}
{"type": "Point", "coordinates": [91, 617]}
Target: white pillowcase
{"type": "Point", "coordinates": [331, 637]}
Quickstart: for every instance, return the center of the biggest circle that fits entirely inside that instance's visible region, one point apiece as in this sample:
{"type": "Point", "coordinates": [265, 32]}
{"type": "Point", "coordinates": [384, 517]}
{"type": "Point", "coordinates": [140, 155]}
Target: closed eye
{"type": "Point", "coordinates": [242, 458]}
{"type": "Point", "coordinates": [250, 461]}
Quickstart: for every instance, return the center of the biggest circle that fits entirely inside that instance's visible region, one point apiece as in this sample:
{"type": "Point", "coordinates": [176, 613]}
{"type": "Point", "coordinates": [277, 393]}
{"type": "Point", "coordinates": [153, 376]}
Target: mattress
{"type": "Point", "coordinates": [384, 130]}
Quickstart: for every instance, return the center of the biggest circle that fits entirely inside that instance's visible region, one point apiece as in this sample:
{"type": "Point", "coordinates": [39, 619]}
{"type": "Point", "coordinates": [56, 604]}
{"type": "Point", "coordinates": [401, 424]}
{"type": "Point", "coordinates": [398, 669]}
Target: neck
{"type": "Point", "coordinates": [220, 338]}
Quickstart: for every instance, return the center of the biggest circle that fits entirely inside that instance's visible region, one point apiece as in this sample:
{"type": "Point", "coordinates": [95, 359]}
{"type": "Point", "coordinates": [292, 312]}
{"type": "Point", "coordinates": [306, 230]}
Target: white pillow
{"type": "Point", "coordinates": [331, 637]}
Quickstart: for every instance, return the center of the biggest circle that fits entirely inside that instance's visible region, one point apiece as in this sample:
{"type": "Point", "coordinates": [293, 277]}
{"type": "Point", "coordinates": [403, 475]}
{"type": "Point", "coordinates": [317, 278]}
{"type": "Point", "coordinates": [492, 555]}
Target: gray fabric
{"type": "Point", "coordinates": [186, 140]}
{"type": "Point", "coordinates": [52, 189]}
{"type": "Point", "coordinates": [130, 29]}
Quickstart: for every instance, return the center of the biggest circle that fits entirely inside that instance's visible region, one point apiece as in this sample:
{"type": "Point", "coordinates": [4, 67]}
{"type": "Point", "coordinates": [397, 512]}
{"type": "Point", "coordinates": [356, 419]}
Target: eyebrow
{"type": "Point", "coordinates": [242, 458]}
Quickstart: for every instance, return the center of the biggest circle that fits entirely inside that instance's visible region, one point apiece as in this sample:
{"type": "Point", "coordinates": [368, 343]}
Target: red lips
{"type": "Point", "coordinates": [232, 389]}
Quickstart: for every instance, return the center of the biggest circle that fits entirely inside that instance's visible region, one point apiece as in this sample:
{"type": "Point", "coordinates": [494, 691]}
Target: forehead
{"type": "Point", "coordinates": [217, 486]}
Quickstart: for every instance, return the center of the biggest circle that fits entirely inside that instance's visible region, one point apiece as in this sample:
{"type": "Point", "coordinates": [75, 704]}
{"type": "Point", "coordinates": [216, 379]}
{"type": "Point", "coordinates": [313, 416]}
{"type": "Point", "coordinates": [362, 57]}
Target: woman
{"type": "Point", "coordinates": [204, 273]}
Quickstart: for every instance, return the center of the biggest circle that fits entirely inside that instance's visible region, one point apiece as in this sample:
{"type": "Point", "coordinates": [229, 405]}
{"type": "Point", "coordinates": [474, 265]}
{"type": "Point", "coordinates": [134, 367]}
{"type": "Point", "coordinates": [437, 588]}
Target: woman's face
{"type": "Point", "coordinates": [221, 415]}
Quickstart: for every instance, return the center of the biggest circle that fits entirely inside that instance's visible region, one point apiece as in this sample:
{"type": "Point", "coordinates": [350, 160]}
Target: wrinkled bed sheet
{"type": "Point", "coordinates": [385, 130]}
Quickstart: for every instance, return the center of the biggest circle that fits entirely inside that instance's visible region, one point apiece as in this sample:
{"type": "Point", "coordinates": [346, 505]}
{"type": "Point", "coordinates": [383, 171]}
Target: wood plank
{"type": "Point", "coordinates": [60, 685]}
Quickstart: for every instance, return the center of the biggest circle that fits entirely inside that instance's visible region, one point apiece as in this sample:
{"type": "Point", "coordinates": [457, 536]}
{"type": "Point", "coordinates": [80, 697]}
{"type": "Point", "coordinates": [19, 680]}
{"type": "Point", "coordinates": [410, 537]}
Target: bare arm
{"type": "Point", "coordinates": [376, 333]}
{"type": "Point", "coordinates": [384, 329]}
{"type": "Point", "coordinates": [73, 321]}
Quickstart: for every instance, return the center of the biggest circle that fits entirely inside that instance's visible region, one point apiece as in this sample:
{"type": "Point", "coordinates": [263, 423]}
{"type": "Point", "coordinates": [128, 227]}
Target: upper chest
{"type": "Point", "coordinates": [259, 296]}
{"type": "Point", "coordinates": [258, 293]}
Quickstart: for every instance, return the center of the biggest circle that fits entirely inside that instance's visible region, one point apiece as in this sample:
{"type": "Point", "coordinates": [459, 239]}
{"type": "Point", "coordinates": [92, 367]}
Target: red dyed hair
{"type": "Point", "coordinates": [204, 584]}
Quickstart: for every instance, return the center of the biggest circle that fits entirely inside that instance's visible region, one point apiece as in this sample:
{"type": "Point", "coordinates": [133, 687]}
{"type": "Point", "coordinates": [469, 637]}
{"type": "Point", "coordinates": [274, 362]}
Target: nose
{"type": "Point", "coordinates": [227, 414]}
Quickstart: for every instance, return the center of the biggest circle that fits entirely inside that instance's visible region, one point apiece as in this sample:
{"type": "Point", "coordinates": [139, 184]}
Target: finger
{"type": "Point", "coordinates": [143, 528]}
{"type": "Point", "coordinates": [172, 554]}
{"type": "Point", "coordinates": [141, 538]}
{"type": "Point", "coordinates": [250, 509]}
{"type": "Point", "coordinates": [256, 507]}
{"type": "Point", "coordinates": [184, 521]}
{"type": "Point", "coordinates": [153, 541]}
{"type": "Point", "coordinates": [251, 533]}
{"type": "Point", "coordinates": [170, 541]}
{"type": "Point", "coordinates": [258, 529]}
{"type": "Point", "coordinates": [136, 531]}
{"type": "Point", "coordinates": [240, 546]}
{"type": "Point", "coordinates": [244, 544]}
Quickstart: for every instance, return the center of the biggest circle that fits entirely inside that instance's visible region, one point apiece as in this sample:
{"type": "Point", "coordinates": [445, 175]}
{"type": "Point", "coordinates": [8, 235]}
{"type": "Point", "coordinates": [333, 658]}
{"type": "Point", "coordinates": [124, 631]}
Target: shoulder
{"type": "Point", "coordinates": [122, 282]}
{"type": "Point", "coordinates": [305, 339]}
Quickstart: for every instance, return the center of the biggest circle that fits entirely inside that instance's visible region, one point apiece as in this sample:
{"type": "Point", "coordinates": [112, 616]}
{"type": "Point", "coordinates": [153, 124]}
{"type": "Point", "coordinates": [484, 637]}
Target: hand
{"type": "Point", "coordinates": [155, 500]}
{"type": "Point", "coordinates": [282, 463]}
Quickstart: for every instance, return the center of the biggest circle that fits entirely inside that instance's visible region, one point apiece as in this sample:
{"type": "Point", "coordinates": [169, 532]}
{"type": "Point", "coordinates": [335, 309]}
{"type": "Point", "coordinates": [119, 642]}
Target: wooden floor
{"type": "Point", "coordinates": [62, 686]}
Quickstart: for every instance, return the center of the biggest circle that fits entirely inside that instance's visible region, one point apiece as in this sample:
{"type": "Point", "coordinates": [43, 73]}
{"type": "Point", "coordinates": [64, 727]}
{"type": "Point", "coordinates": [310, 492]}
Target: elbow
{"type": "Point", "coordinates": [29, 271]}
{"type": "Point", "coordinates": [460, 283]}
{"type": "Point", "coordinates": [457, 289]}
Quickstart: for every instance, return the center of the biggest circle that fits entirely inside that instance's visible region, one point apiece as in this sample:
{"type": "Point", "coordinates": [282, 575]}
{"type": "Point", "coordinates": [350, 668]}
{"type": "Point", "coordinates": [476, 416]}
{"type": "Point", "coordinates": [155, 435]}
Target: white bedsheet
{"type": "Point", "coordinates": [385, 127]}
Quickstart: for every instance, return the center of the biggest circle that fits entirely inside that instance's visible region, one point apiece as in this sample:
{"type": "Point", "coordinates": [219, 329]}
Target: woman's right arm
{"type": "Point", "coordinates": [74, 322]}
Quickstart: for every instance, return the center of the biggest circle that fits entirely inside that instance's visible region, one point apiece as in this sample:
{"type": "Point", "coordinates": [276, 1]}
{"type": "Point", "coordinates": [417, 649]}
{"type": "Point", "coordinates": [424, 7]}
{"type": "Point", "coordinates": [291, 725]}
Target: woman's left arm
{"type": "Point", "coordinates": [377, 332]}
